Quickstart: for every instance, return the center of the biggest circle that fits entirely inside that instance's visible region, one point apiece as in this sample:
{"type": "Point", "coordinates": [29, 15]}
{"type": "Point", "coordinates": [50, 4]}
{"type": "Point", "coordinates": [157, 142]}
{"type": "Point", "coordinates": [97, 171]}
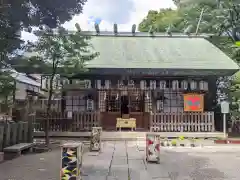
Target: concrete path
{"type": "Point", "coordinates": [125, 161]}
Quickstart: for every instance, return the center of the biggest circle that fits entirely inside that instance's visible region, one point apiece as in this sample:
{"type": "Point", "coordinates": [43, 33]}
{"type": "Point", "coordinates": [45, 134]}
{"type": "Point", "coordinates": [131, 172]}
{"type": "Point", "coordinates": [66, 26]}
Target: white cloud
{"type": "Point", "coordinates": [105, 8]}
{"type": "Point", "coordinates": [123, 12]}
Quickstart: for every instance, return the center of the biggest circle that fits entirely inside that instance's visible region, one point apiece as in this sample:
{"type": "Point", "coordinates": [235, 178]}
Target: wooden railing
{"type": "Point", "coordinates": [60, 121]}
{"type": "Point", "coordinates": [182, 122]}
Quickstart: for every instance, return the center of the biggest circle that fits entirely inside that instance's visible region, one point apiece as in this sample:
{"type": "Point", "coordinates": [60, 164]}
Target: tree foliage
{"type": "Point", "coordinates": [220, 18]}
{"type": "Point", "coordinates": [61, 49]}
{"type": "Point", "coordinates": [19, 15]}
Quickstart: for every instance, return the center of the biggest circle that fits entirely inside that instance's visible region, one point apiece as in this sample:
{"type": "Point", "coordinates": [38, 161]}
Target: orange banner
{"type": "Point", "coordinates": [193, 102]}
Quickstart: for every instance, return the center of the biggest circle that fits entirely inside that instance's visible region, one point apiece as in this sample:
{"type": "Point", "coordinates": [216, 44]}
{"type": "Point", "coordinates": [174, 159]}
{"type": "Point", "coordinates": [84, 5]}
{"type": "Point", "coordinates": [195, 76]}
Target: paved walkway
{"type": "Point", "coordinates": [125, 161]}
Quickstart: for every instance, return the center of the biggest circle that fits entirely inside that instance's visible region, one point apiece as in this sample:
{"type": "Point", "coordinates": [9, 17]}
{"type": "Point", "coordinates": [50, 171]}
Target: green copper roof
{"type": "Point", "coordinates": [159, 52]}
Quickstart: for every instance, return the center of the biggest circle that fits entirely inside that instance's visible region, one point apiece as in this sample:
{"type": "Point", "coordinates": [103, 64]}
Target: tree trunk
{"type": "Point", "coordinates": [49, 108]}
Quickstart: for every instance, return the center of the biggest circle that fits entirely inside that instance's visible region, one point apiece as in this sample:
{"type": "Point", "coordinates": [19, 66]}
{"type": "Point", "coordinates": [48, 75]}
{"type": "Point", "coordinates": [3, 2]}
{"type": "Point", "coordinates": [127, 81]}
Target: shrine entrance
{"type": "Point", "coordinates": [125, 103]}
{"type": "Point", "coordinates": [124, 106]}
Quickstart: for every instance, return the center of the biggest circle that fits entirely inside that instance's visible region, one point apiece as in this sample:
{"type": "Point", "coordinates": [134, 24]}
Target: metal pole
{"type": "Point", "coordinates": [224, 125]}
{"type": "Point", "coordinates": [199, 21]}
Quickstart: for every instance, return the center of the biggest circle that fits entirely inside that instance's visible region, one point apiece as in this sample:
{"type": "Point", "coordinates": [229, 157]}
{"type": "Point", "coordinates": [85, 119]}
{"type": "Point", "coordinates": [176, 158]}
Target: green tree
{"type": "Point", "coordinates": [220, 18]}
{"type": "Point", "coordinates": [62, 49]}
{"type": "Point", "coordinates": [19, 15]}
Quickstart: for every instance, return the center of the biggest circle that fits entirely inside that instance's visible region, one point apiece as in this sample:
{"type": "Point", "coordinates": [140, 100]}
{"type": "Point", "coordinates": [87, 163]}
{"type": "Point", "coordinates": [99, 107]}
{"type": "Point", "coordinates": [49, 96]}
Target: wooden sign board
{"type": "Point", "coordinates": [193, 102]}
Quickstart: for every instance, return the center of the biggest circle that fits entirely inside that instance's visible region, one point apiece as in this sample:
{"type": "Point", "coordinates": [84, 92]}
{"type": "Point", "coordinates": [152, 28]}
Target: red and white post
{"type": "Point", "coordinates": [152, 147]}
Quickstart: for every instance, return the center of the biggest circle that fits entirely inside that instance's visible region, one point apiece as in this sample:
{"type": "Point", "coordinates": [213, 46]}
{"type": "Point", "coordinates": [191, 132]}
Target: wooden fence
{"type": "Point", "coordinates": [65, 121]}
{"type": "Point", "coordinates": [14, 133]}
{"type": "Point", "coordinates": [182, 122]}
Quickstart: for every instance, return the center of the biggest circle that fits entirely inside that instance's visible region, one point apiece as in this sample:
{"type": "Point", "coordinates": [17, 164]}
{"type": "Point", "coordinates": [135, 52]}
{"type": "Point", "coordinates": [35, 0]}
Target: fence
{"type": "Point", "coordinates": [183, 121]}
{"type": "Point", "coordinates": [14, 133]}
{"type": "Point", "coordinates": [67, 121]}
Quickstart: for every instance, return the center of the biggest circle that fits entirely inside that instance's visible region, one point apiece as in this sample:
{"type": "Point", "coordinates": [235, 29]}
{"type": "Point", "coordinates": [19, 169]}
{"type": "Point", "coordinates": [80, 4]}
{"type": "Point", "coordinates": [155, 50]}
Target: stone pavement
{"type": "Point", "coordinates": [125, 161]}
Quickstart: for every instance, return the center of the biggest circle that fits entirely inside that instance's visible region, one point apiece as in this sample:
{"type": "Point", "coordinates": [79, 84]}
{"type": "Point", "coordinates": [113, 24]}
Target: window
{"type": "Point", "coordinates": [112, 102]}
{"type": "Point", "coordinates": [136, 103]}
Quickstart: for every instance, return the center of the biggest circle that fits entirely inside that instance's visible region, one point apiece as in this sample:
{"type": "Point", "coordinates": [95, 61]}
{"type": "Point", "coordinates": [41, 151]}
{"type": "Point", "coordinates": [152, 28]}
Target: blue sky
{"type": "Point", "coordinates": [123, 12]}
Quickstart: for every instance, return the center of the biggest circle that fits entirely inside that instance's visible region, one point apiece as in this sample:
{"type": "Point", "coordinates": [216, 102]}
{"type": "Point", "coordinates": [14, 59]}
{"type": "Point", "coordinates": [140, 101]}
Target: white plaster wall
{"type": "Point", "coordinates": [20, 92]}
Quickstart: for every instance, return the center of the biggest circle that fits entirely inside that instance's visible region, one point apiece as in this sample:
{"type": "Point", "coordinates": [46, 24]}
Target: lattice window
{"type": "Point", "coordinates": [113, 102]}
{"type": "Point", "coordinates": [76, 103]}
{"type": "Point", "coordinates": [90, 105]}
{"type": "Point", "coordinates": [173, 101]}
{"type": "Point", "coordinates": [136, 102]}
{"type": "Point", "coordinates": [102, 101]}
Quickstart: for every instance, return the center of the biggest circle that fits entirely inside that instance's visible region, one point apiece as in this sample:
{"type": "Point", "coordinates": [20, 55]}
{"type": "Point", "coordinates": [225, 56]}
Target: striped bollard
{"type": "Point", "coordinates": [152, 147]}
{"type": "Point", "coordinates": [71, 155]}
{"type": "Point", "coordinates": [95, 144]}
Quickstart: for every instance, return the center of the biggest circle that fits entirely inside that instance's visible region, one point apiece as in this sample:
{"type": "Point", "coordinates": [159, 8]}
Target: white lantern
{"type": "Point", "coordinates": [184, 85]}
{"type": "Point", "coordinates": [90, 104]}
{"type": "Point", "coordinates": [162, 84]}
{"type": "Point", "coordinates": [203, 85]}
{"type": "Point", "coordinates": [153, 84]}
{"type": "Point", "coordinates": [107, 84]}
{"type": "Point", "coordinates": [175, 85]}
{"type": "Point", "coordinates": [99, 85]}
{"type": "Point", "coordinates": [143, 84]}
{"type": "Point", "coordinates": [193, 85]}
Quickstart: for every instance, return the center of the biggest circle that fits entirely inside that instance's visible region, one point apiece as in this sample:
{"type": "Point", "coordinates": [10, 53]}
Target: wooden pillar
{"type": "Point", "coordinates": [95, 143]}
{"type": "Point", "coordinates": [7, 132]}
{"type": "Point", "coordinates": [25, 132]}
{"type": "Point", "coordinates": [152, 147]}
{"type": "Point", "coordinates": [1, 137]}
{"type": "Point", "coordinates": [71, 161]}
{"type": "Point", "coordinates": [20, 132]}
{"type": "Point", "coordinates": [13, 139]}
{"type": "Point", "coordinates": [30, 127]}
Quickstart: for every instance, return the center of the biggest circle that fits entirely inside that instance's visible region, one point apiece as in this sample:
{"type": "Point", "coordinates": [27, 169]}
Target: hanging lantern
{"type": "Point", "coordinates": [105, 96]}
{"type": "Point", "coordinates": [107, 84]}
{"type": "Point", "coordinates": [153, 84]}
{"type": "Point", "coordinates": [193, 85]}
{"type": "Point", "coordinates": [90, 104]}
{"type": "Point", "coordinates": [184, 85]}
{"type": "Point", "coordinates": [143, 84]}
{"type": "Point", "coordinates": [162, 84]}
{"type": "Point", "coordinates": [99, 85]}
{"type": "Point", "coordinates": [175, 85]}
{"type": "Point", "coordinates": [147, 96]}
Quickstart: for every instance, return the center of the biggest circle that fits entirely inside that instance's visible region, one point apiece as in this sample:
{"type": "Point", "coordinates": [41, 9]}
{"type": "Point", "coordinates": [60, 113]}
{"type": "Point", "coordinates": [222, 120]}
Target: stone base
{"type": "Point", "coordinates": [1, 157]}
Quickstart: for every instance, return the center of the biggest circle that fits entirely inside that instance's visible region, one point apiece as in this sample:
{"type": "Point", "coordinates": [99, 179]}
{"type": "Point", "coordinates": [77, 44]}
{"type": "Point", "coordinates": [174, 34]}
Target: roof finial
{"type": "Point", "coordinates": [151, 31]}
{"type": "Point", "coordinates": [188, 30]}
{"type": "Point", "coordinates": [97, 28]}
{"type": "Point", "coordinates": [134, 29]}
{"type": "Point", "coordinates": [169, 30]}
{"type": "Point", "coordinates": [115, 29]}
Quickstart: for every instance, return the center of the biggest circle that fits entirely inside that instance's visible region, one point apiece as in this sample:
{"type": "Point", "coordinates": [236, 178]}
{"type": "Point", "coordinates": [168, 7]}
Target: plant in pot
{"type": "Point", "coordinates": [181, 138]}
{"type": "Point", "coordinates": [192, 142]}
{"type": "Point", "coordinates": [174, 142]}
